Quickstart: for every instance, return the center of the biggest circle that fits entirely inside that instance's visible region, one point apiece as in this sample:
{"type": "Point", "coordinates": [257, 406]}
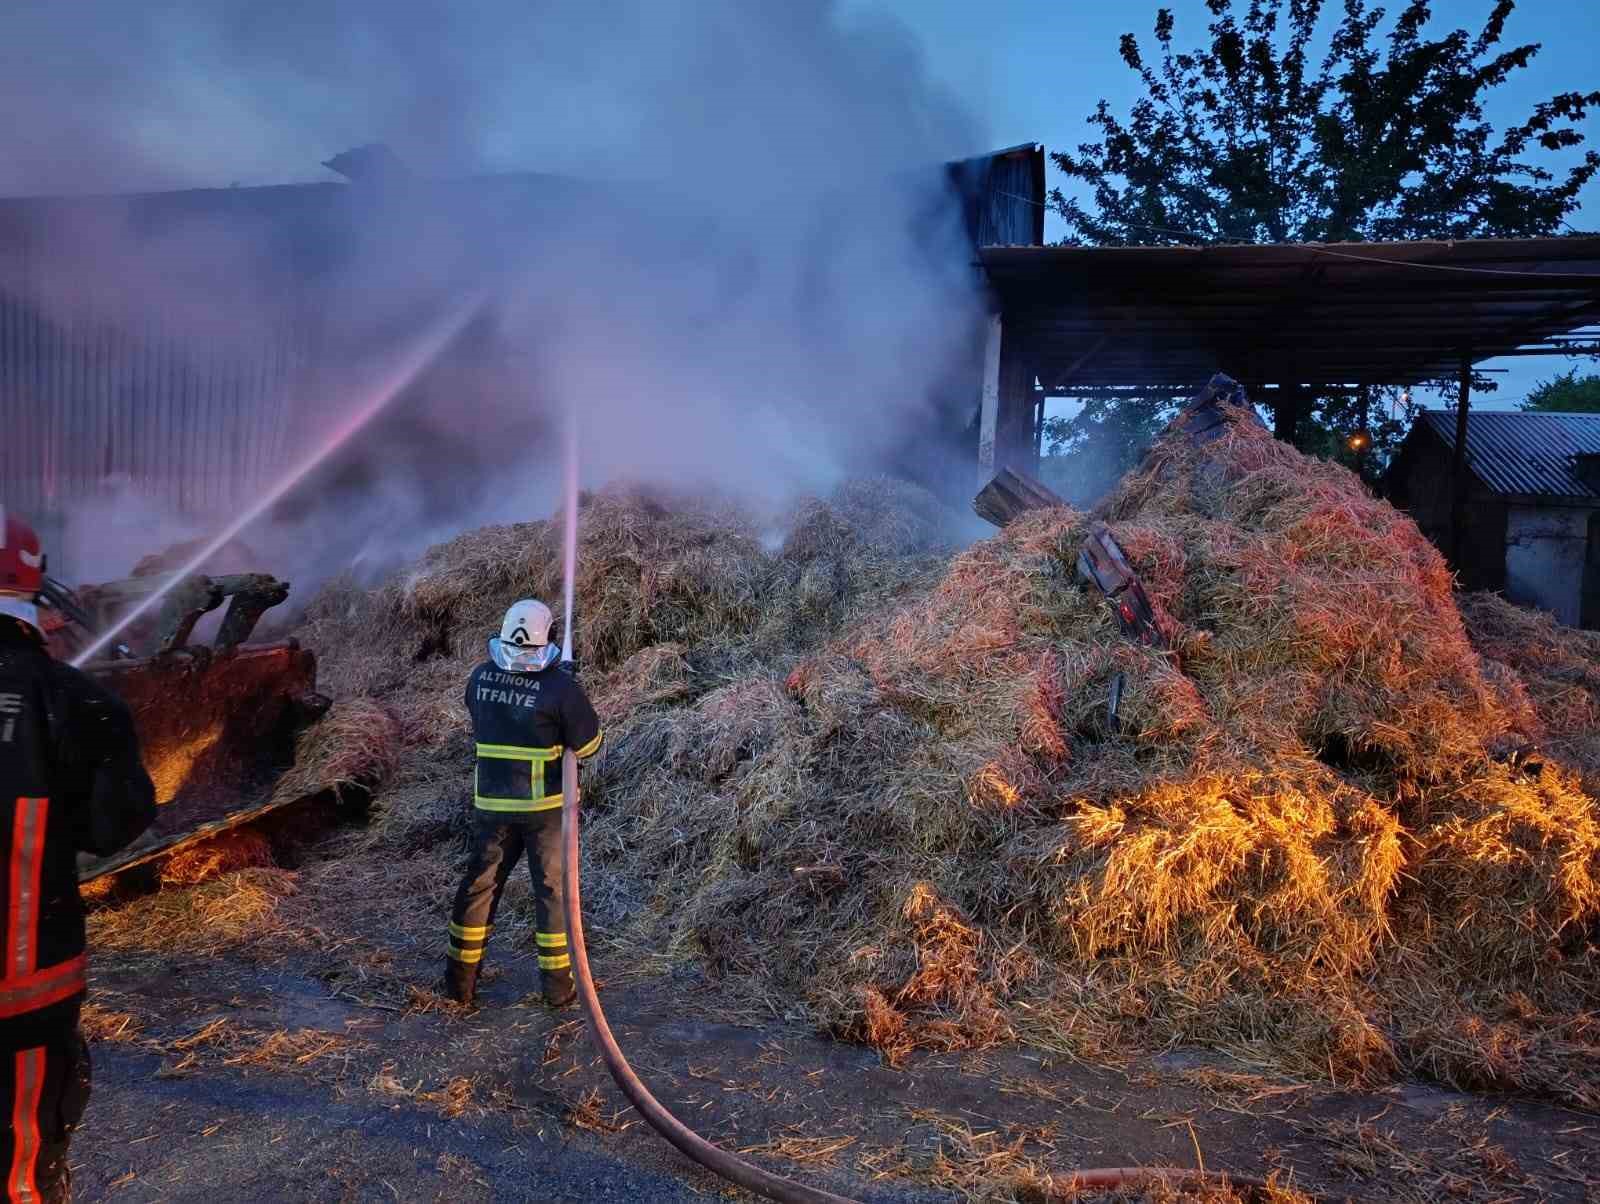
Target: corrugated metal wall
{"type": "Point", "coordinates": [88, 395]}
{"type": "Point", "coordinates": [1004, 194]}
{"type": "Point", "coordinates": [91, 393]}
{"type": "Point", "coordinates": [86, 401]}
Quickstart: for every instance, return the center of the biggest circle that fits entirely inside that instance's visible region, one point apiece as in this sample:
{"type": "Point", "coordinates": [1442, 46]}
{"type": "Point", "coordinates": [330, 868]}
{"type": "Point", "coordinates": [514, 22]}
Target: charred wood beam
{"type": "Point", "coordinates": [1012, 493]}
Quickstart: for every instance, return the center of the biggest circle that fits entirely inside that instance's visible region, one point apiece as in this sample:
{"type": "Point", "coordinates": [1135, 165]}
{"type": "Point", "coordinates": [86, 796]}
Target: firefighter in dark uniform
{"type": "Point", "coordinates": [526, 711]}
{"type": "Point", "coordinates": [70, 781]}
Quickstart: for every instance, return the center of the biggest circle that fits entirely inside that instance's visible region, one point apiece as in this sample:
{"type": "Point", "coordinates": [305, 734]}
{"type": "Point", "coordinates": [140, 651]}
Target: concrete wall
{"type": "Point", "coordinates": [1545, 548]}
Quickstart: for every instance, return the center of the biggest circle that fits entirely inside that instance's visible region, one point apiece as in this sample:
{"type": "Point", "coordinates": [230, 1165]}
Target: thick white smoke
{"type": "Point", "coordinates": [747, 275]}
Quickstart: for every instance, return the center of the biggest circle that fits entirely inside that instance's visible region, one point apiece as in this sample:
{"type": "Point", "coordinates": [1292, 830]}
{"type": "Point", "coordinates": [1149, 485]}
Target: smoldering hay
{"type": "Point", "coordinates": [1337, 830]}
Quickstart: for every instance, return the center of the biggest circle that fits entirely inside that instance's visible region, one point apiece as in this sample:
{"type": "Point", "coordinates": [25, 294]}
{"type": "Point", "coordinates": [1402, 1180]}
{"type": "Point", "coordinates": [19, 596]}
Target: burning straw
{"type": "Point", "coordinates": [881, 781]}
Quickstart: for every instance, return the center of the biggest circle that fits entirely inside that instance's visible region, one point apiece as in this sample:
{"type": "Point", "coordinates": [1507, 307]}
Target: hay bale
{"type": "Point", "coordinates": [653, 676]}
{"type": "Point", "coordinates": [872, 541]}
{"type": "Point", "coordinates": [882, 515]}
{"type": "Point", "coordinates": [662, 576]}
{"type": "Point", "coordinates": [1234, 865]}
{"type": "Point", "coordinates": [653, 568]}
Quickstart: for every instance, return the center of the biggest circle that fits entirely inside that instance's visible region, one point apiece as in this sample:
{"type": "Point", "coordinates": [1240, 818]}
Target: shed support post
{"type": "Point", "coordinates": [1286, 414]}
{"type": "Point", "coordinates": [1364, 430]}
{"type": "Point", "coordinates": [1294, 406]}
{"type": "Point", "coordinates": [989, 412]}
{"type": "Point", "coordinates": [1458, 465]}
{"type": "Point", "coordinates": [1017, 410]}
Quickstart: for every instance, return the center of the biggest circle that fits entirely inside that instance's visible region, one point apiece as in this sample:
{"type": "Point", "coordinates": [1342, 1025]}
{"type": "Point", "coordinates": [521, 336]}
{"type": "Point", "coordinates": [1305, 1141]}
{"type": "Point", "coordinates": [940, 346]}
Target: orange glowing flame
{"type": "Point", "coordinates": [170, 769]}
{"type": "Point", "coordinates": [990, 785]}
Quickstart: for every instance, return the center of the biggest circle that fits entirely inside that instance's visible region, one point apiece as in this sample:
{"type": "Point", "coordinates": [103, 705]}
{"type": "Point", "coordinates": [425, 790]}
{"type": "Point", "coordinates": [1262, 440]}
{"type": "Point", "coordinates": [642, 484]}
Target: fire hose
{"type": "Point", "coordinates": [731, 1166]}
{"type": "Point", "coordinates": [721, 1162]}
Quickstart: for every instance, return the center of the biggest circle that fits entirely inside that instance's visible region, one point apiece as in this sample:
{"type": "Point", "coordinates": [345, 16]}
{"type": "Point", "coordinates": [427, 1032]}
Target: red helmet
{"type": "Point", "coordinates": [21, 558]}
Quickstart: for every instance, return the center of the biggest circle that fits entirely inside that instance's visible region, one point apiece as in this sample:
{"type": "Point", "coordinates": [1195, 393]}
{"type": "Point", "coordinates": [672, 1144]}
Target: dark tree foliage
{"type": "Point", "coordinates": [1090, 450]}
{"type": "Point", "coordinates": [1567, 393]}
{"type": "Point", "coordinates": [1362, 433]}
{"type": "Point", "coordinates": [1252, 138]}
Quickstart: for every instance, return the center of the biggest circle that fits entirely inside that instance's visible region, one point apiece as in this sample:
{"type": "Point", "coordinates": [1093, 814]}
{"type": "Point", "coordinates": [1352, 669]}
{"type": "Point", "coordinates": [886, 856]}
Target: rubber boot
{"type": "Point", "coordinates": [461, 982]}
{"type": "Point", "coordinates": [559, 989]}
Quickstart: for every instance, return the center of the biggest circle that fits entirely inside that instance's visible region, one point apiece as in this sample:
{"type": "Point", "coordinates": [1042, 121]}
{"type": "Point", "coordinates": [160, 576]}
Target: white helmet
{"type": "Point", "coordinates": [524, 643]}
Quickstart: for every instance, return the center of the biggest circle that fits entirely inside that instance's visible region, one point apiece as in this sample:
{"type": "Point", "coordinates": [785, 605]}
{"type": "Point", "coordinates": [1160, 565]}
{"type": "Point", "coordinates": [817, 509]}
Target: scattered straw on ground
{"type": "Point", "coordinates": [1051, 1190]}
{"type": "Point", "coordinates": [220, 914]}
{"type": "Point", "coordinates": [226, 1042]}
{"type": "Point", "coordinates": [101, 1023]}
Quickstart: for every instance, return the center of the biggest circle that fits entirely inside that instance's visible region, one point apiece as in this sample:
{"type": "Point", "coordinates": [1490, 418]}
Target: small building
{"type": "Point", "coordinates": [1531, 518]}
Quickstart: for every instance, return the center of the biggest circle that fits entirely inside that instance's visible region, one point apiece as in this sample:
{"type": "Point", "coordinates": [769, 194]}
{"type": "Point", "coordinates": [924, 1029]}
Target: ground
{"type": "Point", "coordinates": [219, 1072]}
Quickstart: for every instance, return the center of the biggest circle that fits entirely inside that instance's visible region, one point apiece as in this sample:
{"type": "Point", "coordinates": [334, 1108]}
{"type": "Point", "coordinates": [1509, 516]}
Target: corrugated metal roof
{"type": "Point", "coordinates": [1525, 454]}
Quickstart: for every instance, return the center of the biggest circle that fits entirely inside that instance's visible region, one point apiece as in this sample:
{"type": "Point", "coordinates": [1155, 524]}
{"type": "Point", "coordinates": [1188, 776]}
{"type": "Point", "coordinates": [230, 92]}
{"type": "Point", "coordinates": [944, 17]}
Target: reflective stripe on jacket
{"type": "Point", "coordinates": [70, 781]}
{"type": "Point", "coordinates": [523, 723]}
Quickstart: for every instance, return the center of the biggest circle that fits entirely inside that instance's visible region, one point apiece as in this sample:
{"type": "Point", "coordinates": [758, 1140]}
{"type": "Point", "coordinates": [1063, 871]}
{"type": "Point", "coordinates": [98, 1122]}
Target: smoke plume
{"type": "Point", "coordinates": [737, 259]}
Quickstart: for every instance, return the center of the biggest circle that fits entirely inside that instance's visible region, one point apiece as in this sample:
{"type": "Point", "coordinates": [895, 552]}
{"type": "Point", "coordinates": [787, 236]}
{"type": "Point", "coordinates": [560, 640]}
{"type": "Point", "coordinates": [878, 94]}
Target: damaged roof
{"type": "Point", "coordinates": [1523, 454]}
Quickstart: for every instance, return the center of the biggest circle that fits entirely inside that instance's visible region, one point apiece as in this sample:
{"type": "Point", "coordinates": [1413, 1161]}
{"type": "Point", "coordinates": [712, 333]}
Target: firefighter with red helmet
{"type": "Point", "coordinates": [526, 711]}
{"type": "Point", "coordinates": [71, 781]}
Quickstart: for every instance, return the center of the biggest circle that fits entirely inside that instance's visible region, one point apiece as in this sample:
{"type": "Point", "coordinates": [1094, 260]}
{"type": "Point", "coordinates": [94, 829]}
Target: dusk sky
{"type": "Point", "coordinates": [1033, 70]}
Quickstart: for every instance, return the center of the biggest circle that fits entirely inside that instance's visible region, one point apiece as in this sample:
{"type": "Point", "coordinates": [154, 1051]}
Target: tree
{"type": "Point", "coordinates": [1570, 393]}
{"type": "Point", "coordinates": [1248, 139]}
{"type": "Point", "coordinates": [1362, 433]}
{"type": "Point", "coordinates": [1245, 140]}
{"type": "Point", "coordinates": [1090, 449]}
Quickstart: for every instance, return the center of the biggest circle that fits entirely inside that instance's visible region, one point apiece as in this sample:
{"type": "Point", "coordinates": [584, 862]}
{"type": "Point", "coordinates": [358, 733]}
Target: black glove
{"type": "Point", "coordinates": [571, 666]}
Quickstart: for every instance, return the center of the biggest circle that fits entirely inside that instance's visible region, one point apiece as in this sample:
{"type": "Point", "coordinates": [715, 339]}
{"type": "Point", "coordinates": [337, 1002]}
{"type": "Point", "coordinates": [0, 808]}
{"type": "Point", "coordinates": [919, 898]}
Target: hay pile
{"type": "Point", "coordinates": [660, 575]}
{"type": "Point", "coordinates": [835, 775]}
{"type": "Point", "coordinates": [1556, 668]}
{"type": "Point", "coordinates": [679, 598]}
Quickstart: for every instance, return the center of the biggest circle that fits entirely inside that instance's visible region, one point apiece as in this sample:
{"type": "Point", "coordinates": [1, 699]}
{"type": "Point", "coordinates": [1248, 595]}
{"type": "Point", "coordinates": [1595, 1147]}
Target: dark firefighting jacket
{"type": "Point", "coordinates": [70, 781]}
{"type": "Point", "coordinates": [522, 723]}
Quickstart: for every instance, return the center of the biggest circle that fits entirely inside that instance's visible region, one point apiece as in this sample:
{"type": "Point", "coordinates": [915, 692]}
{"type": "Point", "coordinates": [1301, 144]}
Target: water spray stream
{"type": "Point", "coordinates": [713, 1158]}
{"type": "Point", "coordinates": [410, 365]}
{"type": "Point", "coordinates": [569, 534]}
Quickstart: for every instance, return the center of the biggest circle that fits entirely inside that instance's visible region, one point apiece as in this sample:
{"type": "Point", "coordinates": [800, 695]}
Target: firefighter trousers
{"type": "Point", "coordinates": [499, 841]}
{"type": "Point", "coordinates": [46, 1090]}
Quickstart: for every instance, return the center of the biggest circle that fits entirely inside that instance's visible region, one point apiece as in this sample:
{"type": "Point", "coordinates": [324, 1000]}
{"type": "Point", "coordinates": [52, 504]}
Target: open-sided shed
{"type": "Point", "coordinates": [1285, 320]}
